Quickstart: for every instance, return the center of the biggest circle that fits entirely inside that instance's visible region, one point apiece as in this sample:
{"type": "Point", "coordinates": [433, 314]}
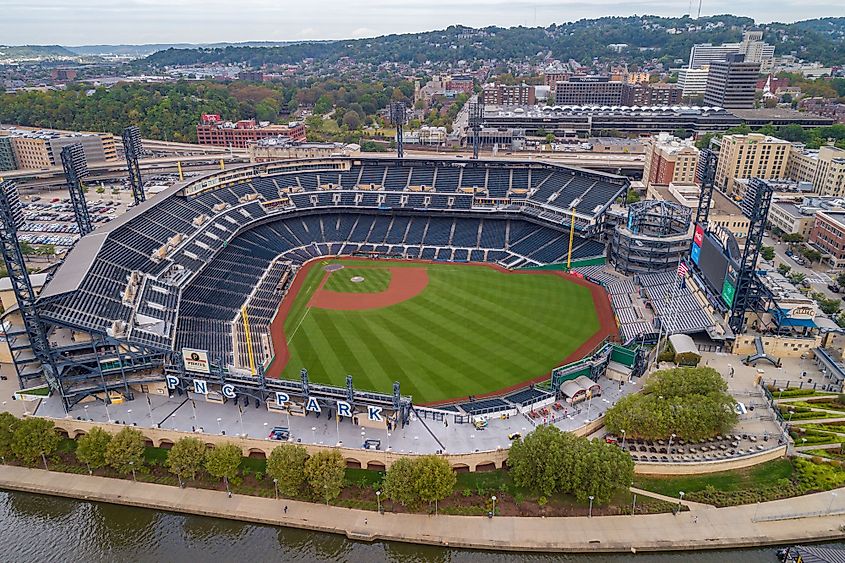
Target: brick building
{"type": "Point", "coordinates": [212, 130]}
{"type": "Point", "coordinates": [507, 95]}
{"type": "Point", "coordinates": [828, 236]}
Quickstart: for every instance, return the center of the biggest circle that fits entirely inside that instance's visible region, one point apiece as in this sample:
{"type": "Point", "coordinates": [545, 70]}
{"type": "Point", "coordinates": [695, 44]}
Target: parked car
{"type": "Point", "coordinates": [833, 287]}
{"type": "Point", "coordinates": [372, 444]}
{"type": "Point", "coordinates": [279, 433]}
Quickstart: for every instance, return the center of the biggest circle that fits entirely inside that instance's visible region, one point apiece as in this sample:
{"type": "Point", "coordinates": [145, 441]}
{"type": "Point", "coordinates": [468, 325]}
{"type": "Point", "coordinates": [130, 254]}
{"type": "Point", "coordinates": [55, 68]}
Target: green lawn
{"type": "Point", "coordinates": [472, 330]}
{"type": "Point", "coordinates": [764, 475]}
{"type": "Point", "coordinates": [375, 280]}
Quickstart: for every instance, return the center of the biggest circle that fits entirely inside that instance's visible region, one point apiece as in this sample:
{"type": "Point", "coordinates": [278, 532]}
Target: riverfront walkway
{"type": "Point", "coordinates": [802, 519]}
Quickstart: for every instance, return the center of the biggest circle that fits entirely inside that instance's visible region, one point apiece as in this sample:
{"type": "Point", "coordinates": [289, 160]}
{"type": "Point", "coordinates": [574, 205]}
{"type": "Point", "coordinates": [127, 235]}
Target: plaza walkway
{"type": "Point", "coordinates": [813, 517]}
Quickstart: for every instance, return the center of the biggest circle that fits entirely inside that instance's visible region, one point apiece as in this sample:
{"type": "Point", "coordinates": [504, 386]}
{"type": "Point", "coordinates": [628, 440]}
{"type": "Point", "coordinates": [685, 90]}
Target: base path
{"type": "Point", "coordinates": [778, 522]}
{"type": "Point", "coordinates": [405, 283]}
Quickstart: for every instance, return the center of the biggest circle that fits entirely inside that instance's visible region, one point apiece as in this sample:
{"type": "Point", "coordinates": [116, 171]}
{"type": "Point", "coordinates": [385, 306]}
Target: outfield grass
{"type": "Point", "coordinates": [473, 330]}
{"type": "Point", "coordinates": [375, 280]}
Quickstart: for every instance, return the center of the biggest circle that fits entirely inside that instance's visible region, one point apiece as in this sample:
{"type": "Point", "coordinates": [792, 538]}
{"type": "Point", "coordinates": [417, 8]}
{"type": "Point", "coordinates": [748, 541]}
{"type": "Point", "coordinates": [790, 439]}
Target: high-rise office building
{"type": "Point", "coordinates": [731, 83]}
{"type": "Point", "coordinates": [752, 47]}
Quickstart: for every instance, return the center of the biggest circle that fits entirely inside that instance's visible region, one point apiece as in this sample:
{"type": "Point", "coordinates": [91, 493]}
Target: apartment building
{"type": "Point", "coordinates": [669, 160]}
{"type": "Point", "coordinates": [509, 95]}
{"type": "Point", "coordinates": [750, 156]}
{"type": "Point", "coordinates": [829, 179]}
{"type": "Point", "coordinates": [40, 148]}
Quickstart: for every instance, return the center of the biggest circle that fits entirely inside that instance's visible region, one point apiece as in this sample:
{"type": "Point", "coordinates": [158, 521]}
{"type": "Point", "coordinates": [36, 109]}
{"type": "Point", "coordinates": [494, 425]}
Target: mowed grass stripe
{"type": "Point", "coordinates": [376, 280]}
{"type": "Point", "coordinates": [473, 330]}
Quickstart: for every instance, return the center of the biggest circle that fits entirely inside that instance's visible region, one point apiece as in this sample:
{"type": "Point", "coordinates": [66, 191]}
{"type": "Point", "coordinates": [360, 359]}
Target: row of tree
{"type": "Point", "coordinates": [551, 461]}
{"type": "Point", "coordinates": [691, 403]}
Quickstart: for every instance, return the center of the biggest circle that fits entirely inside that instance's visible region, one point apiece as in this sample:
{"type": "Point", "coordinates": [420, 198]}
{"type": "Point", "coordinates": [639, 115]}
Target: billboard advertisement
{"type": "Point", "coordinates": [196, 360]}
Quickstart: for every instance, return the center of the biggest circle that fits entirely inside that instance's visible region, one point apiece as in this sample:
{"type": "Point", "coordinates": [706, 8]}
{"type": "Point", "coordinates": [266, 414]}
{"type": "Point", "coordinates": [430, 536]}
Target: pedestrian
{"type": "Point", "coordinates": [365, 521]}
{"type": "Point", "coordinates": [695, 519]}
{"type": "Point", "coordinates": [286, 509]}
{"type": "Point", "coordinates": [446, 421]}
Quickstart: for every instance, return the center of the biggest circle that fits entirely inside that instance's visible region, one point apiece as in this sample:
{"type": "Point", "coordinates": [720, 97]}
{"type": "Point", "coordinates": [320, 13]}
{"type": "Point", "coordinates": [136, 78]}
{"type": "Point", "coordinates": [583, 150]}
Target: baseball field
{"type": "Point", "coordinates": [444, 331]}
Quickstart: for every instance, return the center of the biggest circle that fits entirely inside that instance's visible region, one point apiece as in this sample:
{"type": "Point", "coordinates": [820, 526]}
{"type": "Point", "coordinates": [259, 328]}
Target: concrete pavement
{"type": "Point", "coordinates": [810, 518]}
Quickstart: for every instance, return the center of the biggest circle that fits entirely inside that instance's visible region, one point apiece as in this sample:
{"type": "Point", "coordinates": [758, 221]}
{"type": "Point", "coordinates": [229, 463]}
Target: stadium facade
{"type": "Point", "coordinates": [157, 298]}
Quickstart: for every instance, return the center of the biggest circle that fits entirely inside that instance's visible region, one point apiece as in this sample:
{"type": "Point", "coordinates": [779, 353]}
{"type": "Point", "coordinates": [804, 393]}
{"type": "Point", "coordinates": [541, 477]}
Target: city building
{"type": "Point", "coordinates": [251, 75]}
{"type": "Point", "coordinates": [7, 153]}
{"type": "Point", "coordinates": [750, 156]}
{"type": "Point", "coordinates": [693, 81]}
{"type": "Point", "coordinates": [669, 160]}
{"type": "Point", "coordinates": [756, 118]}
{"type": "Point", "coordinates": [509, 95]}
{"type": "Point", "coordinates": [460, 83]}
{"type": "Point", "coordinates": [581, 90]}
{"type": "Point", "coordinates": [829, 179]}
{"type": "Point", "coordinates": [799, 217]}
{"type": "Point", "coordinates": [280, 148]}
{"type": "Point", "coordinates": [828, 236]}
{"type": "Point", "coordinates": [752, 48]}
{"type": "Point", "coordinates": [651, 95]}
{"type": "Point", "coordinates": [825, 107]}
{"type": "Point", "coordinates": [731, 83]}
{"type": "Point", "coordinates": [212, 130]}
{"type": "Point", "coordinates": [41, 148]}
{"type": "Point", "coordinates": [802, 164]}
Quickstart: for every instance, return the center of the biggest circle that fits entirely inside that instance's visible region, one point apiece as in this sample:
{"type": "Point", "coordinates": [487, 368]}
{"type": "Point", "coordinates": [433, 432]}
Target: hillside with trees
{"type": "Point", "coordinates": [171, 111]}
{"type": "Point", "coordinates": [647, 37]}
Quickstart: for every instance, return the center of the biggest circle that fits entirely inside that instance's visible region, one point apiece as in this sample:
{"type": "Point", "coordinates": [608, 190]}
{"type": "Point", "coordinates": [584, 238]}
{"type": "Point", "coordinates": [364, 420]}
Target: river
{"type": "Point", "coordinates": [41, 528]}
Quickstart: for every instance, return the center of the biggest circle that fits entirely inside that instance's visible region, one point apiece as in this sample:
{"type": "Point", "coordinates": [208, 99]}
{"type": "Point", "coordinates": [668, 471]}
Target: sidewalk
{"type": "Point", "coordinates": [701, 528]}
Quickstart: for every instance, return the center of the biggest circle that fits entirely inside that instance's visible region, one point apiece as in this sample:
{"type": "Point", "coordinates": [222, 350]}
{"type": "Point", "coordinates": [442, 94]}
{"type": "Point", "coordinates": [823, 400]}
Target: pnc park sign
{"type": "Point", "coordinates": [311, 404]}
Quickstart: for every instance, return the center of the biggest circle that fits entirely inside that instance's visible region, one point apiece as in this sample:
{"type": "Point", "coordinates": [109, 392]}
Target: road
{"type": "Point", "coordinates": [818, 276]}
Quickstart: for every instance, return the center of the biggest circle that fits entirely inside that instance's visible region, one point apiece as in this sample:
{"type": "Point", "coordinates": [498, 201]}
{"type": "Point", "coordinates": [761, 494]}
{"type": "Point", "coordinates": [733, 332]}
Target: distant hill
{"type": "Point", "coordinates": [144, 50]}
{"type": "Point", "coordinates": [646, 37]}
{"type": "Point", "coordinates": [35, 52]}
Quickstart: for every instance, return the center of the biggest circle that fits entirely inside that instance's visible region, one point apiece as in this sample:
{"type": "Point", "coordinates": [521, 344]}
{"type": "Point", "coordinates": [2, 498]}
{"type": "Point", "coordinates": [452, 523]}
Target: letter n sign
{"type": "Point", "coordinates": [200, 387]}
{"type": "Point", "coordinates": [344, 409]}
{"type": "Point", "coordinates": [312, 405]}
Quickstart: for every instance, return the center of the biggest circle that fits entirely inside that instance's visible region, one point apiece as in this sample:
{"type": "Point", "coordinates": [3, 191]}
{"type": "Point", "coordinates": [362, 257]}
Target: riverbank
{"type": "Point", "coordinates": [809, 518]}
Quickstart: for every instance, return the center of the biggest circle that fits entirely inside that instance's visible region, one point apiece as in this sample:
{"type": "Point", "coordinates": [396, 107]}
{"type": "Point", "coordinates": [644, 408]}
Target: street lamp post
{"type": "Point", "coordinates": [493, 498]}
{"type": "Point", "coordinates": [680, 498]}
{"type": "Point", "coordinates": [106, 404]}
{"type": "Point", "coordinates": [313, 434]}
{"type": "Point", "coordinates": [791, 412]}
{"type": "Point", "coordinates": [634, 505]}
{"type": "Point", "coordinates": [219, 430]}
{"type": "Point", "coordinates": [132, 467]}
{"type": "Point", "coordinates": [832, 498]}
{"type": "Point", "coordinates": [672, 437]}
{"type": "Point", "coordinates": [44, 459]}
{"type": "Point", "coordinates": [276, 487]}
{"type": "Point", "coordinates": [780, 393]}
{"type": "Point", "coordinates": [590, 513]}
{"type": "Point", "coordinates": [623, 439]}
{"type": "Point", "coordinates": [378, 500]}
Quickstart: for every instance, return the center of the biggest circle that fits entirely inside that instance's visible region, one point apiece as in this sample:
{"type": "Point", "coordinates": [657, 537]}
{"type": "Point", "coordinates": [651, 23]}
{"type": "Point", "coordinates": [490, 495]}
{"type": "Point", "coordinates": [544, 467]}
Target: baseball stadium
{"type": "Point", "coordinates": [431, 280]}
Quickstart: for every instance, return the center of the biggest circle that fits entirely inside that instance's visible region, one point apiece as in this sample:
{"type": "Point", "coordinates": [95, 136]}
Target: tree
{"type": "Point", "coordinates": [703, 142]}
{"type": "Point", "coordinates": [792, 237]}
{"type": "Point", "coordinates": [323, 105]}
{"type": "Point", "coordinates": [797, 277]}
{"type": "Point", "coordinates": [399, 483]}
{"type": "Point", "coordinates": [125, 451]}
{"type": "Point", "coordinates": [34, 437]}
{"type": "Point", "coordinates": [352, 120]}
{"type": "Point", "coordinates": [692, 403]}
{"type": "Point", "coordinates": [840, 279]}
{"type": "Point", "coordinates": [324, 472]}
{"type": "Point", "coordinates": [223, 462]}
{"type": "Point", "coordinates": [768, 253]}
{"type": "Point", "coordinates": [811, 254]}
{"type": "Point", "coordinates": [784, 269]}
{"type": "Point", "coordinates": [91, 448]}
{"type": "Point", "coordinates": [614, 469]}
{"type": "Point", "coordinates": [286, 464]}
{"type": "Point", "coordinates": [435, 479]}
{"type": "Point", "coordinates": [186, 457]}
{"type": "Point", "coordinates": [8, 424]}
{"type": "Point", "coordinates": [632, 197]}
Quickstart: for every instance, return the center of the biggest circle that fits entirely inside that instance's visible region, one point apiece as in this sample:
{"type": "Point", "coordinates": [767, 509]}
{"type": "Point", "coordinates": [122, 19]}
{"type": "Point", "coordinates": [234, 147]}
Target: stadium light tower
{"type": "Point", "coordinates": [132, 149]}
{"type": "Point", "coordinates": [398, 116]}
{"type": "Point", "coordinates": [476, 117]}
{"type": "Point", "coordinates": [11, 219]}
{"type": "Point", "coordinates": [76, 168]}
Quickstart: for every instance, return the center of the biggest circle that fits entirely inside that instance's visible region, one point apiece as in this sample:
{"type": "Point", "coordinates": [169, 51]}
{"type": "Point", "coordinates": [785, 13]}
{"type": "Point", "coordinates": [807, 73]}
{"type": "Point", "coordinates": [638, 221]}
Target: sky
{"type": "Point", "coordinates": [82, 22]}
